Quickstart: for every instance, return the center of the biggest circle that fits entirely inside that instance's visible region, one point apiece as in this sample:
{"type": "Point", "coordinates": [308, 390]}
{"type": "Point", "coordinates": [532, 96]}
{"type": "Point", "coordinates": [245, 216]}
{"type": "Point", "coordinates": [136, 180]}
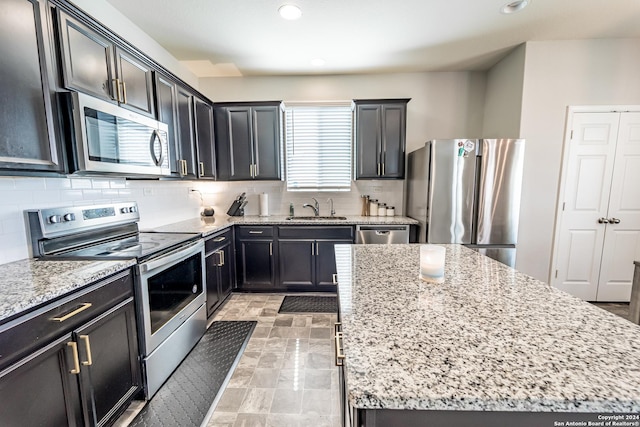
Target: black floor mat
{"type": "Point", "coordinates": [309, 304]}
{"type": "Point", "coordinates": [186, 397]}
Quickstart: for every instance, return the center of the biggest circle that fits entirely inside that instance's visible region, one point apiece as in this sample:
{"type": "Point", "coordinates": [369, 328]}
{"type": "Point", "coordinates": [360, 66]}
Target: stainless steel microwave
{"type": "Point", "coordinates": [111, 139]}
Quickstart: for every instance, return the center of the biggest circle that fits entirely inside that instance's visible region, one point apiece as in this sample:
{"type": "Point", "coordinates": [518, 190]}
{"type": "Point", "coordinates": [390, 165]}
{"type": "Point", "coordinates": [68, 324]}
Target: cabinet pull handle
{"type": "Point", "coordinates": [87, 345]}
{"type": "Point", "coordinates": [603, 221]}
{"type": "Point", "coordinates": [334, 279]}
{"type": "Point", "coordinates": [80, 309]}
{"type": "Point", "coordinates": [220, 239]}
{"type": "Point", "coordinates": [201, 168]}
{"type": "Point", "coordinates": [614, 221]}
{"type": "Point", "coordinates": [115, 89]}
{"type": "Point", "coordinates": [339, 354]}
{"type": "Point", "coordinates": [76, 360]}
{"type": "Point", "coordinates": [317, 248]}
{"type": "Point", "coordinates": [255, 170]}
{"type": "Point", "coordinates": [251, 170]}
{"type": "Point", "coordinates": [383, 169]}
{"type": "Point", "coordinates": [255, 232]}
{"type": "Point", "coordinates": [183, 167]}
{"type": "Point", "coordinates": [378, 169]}
{"type": "Point", "coordinates": [313, 250]}
{"type": "Point", "coordinates": [270, 249]}
{"type": "Point", "coordinates": [124, 91]}
{"type": "Point", "coordinates": [222, 256]}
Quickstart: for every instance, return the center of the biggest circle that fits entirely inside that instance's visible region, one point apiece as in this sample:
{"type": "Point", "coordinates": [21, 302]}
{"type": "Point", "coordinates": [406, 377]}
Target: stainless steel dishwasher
{"type": "Point", "coordinates": [382, 234]}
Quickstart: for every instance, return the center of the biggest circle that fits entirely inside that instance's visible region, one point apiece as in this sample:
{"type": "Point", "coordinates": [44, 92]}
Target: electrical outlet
{"type": "Point", "coordinates": [376, 189]}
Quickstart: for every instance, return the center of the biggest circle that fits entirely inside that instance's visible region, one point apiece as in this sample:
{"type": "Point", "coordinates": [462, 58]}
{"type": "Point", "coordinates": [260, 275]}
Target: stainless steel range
{"type": "Point", "coordinates": [170, 279]}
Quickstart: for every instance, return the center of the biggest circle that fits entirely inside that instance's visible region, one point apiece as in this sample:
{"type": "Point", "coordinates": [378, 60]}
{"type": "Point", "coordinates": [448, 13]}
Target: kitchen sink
{"type": "Point", "coordinates": [312, 218]}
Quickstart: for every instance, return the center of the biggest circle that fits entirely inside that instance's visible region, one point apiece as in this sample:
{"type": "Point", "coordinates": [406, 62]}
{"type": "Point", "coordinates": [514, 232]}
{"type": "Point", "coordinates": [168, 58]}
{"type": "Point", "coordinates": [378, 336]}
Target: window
{"type": "Point", "coordinates": [318, 146]}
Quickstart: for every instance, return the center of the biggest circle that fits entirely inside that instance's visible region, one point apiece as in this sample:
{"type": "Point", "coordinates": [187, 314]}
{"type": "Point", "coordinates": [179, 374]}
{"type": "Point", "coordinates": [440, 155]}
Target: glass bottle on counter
{"type": "Point", "coordinates": [382, 209]}
{"type": "Point", "coordinates": [391, 211]}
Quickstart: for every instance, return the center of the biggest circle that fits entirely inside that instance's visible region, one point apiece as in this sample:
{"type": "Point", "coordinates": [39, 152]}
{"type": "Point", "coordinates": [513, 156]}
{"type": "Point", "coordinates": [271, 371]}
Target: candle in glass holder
{"type": "Point", "coordinates": [432, 263]}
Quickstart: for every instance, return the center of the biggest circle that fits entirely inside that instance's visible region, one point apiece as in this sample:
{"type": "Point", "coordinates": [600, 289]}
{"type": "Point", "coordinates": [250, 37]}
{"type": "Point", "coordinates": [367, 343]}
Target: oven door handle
{"type": "Point", "coordinates": [177, 255]}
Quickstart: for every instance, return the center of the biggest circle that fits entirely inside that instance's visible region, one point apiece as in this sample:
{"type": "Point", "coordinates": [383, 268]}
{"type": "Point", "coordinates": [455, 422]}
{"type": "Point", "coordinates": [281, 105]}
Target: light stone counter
{"type": "Point", "coordinates": [29, 283]}
{"type": "Point", "coordinates": [488, 339]}
{"type": "Point", "coordinates": [210, 225]}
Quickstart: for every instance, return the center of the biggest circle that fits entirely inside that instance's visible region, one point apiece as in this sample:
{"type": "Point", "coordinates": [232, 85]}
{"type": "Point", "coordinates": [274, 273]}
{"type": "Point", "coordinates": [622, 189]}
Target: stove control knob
{"type": "Point", "coordinates": [69, 217]}
{"type": "Point", "coordinates": [54, 219]}
{"type": "Point", "coordinates": [133, 209]}
{"type": "Point", "coordinates": [124, 210]}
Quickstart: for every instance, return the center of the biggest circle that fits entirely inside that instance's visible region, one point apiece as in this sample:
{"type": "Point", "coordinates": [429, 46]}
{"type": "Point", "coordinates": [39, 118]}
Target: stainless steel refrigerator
{"type": "Point", "coordinates": [467, 191]}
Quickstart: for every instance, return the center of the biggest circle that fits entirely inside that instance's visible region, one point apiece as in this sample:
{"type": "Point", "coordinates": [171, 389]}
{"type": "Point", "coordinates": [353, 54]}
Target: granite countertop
{"type": "Point", "coordinates": [209, 225]}
{"type": "Point", "coordinates": [28, 283]}
{"type": "Point", "coordinates": [487, 339]}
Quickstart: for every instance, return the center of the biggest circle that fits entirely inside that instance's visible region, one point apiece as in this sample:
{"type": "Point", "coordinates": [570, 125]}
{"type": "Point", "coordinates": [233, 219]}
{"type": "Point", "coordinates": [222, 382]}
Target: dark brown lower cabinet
{"type": "Point", "coordinates": [85, 377]}
{"type": "Point", "coordinates": [219, 264]}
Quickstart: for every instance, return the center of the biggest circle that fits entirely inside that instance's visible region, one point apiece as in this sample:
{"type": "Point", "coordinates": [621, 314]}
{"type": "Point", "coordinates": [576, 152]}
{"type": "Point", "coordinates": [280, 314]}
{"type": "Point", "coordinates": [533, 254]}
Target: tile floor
{"type": "Point", "coordinates": [286, 376]}
{"type": "Point", "coordinates": [619, 308]}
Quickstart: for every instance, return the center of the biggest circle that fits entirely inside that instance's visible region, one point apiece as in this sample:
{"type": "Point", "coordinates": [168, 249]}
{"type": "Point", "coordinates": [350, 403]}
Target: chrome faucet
{"type": "Point", "coordinates": [316, 208]}
{"type": "Point", "coordinates": [333, 211]}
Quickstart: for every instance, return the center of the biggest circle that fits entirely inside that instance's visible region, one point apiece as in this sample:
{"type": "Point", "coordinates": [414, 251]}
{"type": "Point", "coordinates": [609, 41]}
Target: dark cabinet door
{"type": "Point", "coordinates": [380, 138]}
{"type": "Point", "coordinates": [227, 274]}
{"type": "Point", "coordinates": [204, 139]}
{"type": "Point", "coordinates": [326, 263]}
{"type": "Point", "coordinates": [240, 143]}
{"type": "Point", "coordinates": [213, 261]}
{"type": "Point", "coordinates": [266, 142]}
{"type": "Point", "coordinates": [136, 83]}
{"type": "Point", "coordinates": [256, 266]}
{"type": "Point", "coordinates": [185, 131]}
{"type": "Point", "coordinates": [87, 59]}
{"type": "Point", "coordinates": [296, 263]}
{"type": "Point", "coordinates": [368, 164]}
{"type": "Point", "coordinates": [393, 140]}
{"type": "Point", "coordinates": [28, 138]}
{"type": "Point", "coordinates": [108, 353]}
{"type": "Point", "coordinates": [40, 390]}
{"type": "Point", "coordinates": [166, 105]}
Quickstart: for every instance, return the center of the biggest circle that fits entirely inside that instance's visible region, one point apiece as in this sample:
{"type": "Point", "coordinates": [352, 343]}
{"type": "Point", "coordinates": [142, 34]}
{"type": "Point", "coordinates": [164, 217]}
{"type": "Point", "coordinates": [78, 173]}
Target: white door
{"type": "Point", "coordinates": [585, 203]}
{"type": "Point", "coordinates": [595, 252]}
{"type": "Point", "coordinates": [622, 235]}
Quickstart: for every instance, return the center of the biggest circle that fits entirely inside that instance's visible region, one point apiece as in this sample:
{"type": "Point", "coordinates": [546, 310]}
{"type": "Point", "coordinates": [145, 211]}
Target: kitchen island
{"type": "Point", "coordinates": [488, 347]}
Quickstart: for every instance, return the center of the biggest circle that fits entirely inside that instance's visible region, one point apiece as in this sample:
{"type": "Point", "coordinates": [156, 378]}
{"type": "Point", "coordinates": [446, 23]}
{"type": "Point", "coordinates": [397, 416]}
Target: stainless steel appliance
{"type": "Point", "coordinates": [110, 139]}
{"type": "Point", "coordinates": [382, 234]}
{"type": "Point", "coordinates": [170, 279]}
{"type": "Point", "coordinates": [467, 191]}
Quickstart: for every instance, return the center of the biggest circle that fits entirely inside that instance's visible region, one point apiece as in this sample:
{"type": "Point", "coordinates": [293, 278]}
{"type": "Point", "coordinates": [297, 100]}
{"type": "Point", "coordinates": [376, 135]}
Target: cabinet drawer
{"type": "Point", "coordinates": [315, 232]}
{"type": "Point", "coordinates": [217, 240]}
{"type": "Point", "coordinates": [255, 231]}
{"type": "Point", "coordinates": [40, 327]}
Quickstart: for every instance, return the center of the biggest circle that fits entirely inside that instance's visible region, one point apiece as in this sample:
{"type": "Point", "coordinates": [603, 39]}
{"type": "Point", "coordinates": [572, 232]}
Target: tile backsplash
{"type": "Point", "coordinates": [164, 202]}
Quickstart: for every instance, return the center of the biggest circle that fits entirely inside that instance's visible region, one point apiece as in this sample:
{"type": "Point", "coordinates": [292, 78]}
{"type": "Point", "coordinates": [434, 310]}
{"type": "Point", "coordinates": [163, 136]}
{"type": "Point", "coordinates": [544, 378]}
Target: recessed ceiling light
{"type": "Point", "coordinates": [514, 6]}
{"type": "Point", "coordinates": [318, 62]}
{"type": "Point", "coordinates": [290, 11]}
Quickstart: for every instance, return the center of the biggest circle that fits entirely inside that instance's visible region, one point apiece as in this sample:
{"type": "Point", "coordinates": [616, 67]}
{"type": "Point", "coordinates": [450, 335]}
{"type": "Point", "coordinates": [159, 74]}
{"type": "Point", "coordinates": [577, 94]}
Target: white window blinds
{"type": "Point", "coordinates": [318, 147]}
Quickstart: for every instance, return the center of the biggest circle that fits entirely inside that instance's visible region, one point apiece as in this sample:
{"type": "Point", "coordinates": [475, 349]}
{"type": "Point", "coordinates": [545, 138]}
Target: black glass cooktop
{"type": "Point", "coordinates": [140, 246]}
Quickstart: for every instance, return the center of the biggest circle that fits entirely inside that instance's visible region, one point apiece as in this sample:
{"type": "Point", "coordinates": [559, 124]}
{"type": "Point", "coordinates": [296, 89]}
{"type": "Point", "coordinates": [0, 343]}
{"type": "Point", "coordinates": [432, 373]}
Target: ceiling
{"type": "Point", "coordinates": [248, 37]}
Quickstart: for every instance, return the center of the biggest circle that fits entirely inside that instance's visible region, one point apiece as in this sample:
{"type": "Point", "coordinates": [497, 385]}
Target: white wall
{"type": "Point", "coordinates": [113, 19]}
{"type": "Point", "coordinates": [443, 105]}
{"type": "Point", "coordinates": [503, 100]}
{"type": "Point", "coordinates": [559, 74]}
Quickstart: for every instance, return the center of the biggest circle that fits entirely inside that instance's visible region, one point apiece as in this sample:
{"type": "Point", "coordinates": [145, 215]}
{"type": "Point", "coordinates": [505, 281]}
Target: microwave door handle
{"type": "Point", "coordinates": [152, 142]}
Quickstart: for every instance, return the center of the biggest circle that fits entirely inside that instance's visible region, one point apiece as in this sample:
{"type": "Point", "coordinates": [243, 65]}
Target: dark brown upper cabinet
{"type": "Point", "coordinates": [248, 140]}
{"type": "Point", "coordinates": [92, 63]}
{"type": "Point", "coordinates": [380, 130]}
{"type": "Point", "coordinates": [29, 138]}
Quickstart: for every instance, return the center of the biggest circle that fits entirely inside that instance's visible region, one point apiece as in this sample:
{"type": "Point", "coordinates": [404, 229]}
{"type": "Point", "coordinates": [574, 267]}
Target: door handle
{"type": "Point", "coordinates": [334, 278]}
{"type": "Point", "coordinates": [614, 221]}
{"type": "Point", "coordinates": [87, 345]}
{"type": "Point", "coordinates": [124, 91]}
{"type": "Point", "coordinates": [201, 168]}
{"type": "Point", "coordinates": [603, 221]}
{"type": "Point", "coordinates": [152, 143]}
{"type": "Point", "coordinates": [76, 360]}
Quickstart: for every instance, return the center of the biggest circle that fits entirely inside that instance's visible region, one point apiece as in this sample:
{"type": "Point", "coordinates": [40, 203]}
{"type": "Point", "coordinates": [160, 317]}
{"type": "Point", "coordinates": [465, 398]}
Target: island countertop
{"type": "Point", "coordinates": [487, 339]}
